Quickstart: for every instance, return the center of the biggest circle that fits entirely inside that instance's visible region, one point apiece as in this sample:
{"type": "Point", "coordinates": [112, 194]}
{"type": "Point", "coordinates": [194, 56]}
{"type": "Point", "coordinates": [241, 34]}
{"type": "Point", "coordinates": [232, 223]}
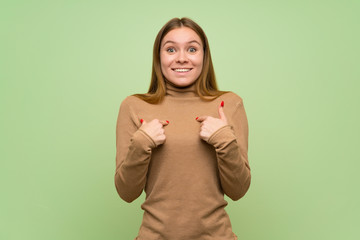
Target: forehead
{"type": "Point", "coordinates": [181, 35]}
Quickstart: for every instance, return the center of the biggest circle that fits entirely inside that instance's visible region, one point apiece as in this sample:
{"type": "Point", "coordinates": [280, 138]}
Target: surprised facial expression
{"type": "Point", "coordinates": [181, 56]}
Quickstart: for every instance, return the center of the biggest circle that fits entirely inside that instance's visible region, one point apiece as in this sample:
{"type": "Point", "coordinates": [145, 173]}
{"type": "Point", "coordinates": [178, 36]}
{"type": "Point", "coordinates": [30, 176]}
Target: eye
{"type": "Point", "coordinates": [192, 49]}
{"type": "Point", "coordinates": [171, 50]}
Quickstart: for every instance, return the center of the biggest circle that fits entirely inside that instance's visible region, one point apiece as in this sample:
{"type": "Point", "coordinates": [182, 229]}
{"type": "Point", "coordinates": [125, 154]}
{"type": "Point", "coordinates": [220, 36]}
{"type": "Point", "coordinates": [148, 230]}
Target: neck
{"type": "Point", "coordinates": [176, 91]}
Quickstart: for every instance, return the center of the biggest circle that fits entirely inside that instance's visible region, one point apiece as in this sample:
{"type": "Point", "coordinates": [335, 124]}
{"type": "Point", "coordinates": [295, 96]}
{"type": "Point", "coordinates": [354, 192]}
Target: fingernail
{"type": "Point", "coordinates": [167, 121]}
{"type": "Point", "coordinates": [141, 120]}
{"type": "Point", "coordinates": [196, 118]}
{"type": "Point", "coordinates": [222, 103]}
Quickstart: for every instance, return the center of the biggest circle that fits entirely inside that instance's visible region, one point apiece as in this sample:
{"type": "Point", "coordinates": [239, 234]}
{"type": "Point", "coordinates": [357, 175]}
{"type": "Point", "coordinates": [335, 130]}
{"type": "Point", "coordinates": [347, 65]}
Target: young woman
{"type": "Point", "coordinates": [184, 142]}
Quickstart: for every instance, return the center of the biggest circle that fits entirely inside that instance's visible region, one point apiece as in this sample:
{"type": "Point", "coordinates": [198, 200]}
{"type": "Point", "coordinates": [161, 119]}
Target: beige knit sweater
{"type": "Point", "coordinates": [185, 178]}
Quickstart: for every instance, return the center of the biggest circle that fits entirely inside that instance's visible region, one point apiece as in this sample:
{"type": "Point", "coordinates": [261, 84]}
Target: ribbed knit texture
{"type": "Point", "coordinates": [186, 177]}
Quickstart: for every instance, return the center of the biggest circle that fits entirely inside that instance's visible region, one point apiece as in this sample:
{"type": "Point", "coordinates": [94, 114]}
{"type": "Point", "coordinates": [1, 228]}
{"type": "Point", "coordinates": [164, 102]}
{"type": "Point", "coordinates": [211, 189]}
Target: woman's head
{"type": "Point", "coordinates": [181, 56]}
{"type": "Point", "coordinates": [172, 50]}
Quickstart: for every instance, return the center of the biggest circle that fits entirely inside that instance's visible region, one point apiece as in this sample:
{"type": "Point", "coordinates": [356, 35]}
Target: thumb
{"type": "Point", "coordinates": [221, 112]}
{"type": "Point", "coordinates": [164, 122]}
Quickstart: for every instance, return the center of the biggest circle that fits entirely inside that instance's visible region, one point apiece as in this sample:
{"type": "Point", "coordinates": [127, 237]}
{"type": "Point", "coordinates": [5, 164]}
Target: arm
{"type": "Point", "coordinates": [133, 153]}
{"type": "Point", "coordinates": [231, 146]}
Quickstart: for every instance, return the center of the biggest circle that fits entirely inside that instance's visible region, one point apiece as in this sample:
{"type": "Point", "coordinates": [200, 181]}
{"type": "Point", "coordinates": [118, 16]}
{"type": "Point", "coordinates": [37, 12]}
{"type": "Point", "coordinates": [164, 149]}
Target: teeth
{"type": "Point", "coordinates": [182, 70]}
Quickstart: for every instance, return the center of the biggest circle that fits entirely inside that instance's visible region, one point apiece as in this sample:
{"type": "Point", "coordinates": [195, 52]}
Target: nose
{"type": "Point", "coordinates": [181, 57]}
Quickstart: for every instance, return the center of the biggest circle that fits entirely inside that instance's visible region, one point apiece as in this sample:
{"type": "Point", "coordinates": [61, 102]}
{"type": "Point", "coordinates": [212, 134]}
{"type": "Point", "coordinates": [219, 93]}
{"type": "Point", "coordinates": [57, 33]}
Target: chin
{"type": "Point", "coordinates": [182, 83]}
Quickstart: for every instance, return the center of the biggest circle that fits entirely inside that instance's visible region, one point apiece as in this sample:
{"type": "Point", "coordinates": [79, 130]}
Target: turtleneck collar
{"type": "Point", "coordinates": [179, 92]}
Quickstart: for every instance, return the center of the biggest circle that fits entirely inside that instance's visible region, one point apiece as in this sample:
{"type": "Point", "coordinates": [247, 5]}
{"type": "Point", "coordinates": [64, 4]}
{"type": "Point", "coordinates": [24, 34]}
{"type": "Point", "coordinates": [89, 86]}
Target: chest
{"type": "Point", "coordinates": [183, 128]}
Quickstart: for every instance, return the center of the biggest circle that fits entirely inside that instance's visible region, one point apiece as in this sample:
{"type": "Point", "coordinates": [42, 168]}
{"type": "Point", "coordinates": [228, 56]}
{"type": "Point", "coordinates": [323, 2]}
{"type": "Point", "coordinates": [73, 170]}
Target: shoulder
{"type": "Point", "coordinates": [132, 101]}
{"type": "Point", "coordinates": [233, 103]}
{"type": "Point", "coordinates": [232, 98]}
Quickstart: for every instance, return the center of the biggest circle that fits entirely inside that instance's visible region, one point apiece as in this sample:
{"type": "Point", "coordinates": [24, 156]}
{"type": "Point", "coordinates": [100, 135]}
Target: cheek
{"type": "Point", "coordinates": [161, 60]}
{"type": "Point", "coordinates": [165, 60]}
{"type": "Point", "coordinates": [199, 61]}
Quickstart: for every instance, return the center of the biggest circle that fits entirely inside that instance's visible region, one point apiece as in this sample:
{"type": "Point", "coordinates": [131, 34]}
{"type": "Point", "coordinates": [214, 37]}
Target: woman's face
{"type": "Point", "coordinates": [181, 56]}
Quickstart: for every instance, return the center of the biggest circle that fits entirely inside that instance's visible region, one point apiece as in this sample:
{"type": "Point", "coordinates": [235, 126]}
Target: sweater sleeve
{"type": "Point", "coordinates": [133, 153]}
{"type": "Point", "coordinates": [231, 146]}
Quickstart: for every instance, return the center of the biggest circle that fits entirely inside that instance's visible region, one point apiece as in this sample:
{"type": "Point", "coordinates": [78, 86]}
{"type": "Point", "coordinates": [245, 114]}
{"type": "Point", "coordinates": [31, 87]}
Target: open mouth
{"type": "Point", "coordinates": [181, 70]}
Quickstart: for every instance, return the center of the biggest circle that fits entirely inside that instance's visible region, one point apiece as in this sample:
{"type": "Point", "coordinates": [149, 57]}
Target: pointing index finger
{"type": "Point", "coordinates": [201, 118]}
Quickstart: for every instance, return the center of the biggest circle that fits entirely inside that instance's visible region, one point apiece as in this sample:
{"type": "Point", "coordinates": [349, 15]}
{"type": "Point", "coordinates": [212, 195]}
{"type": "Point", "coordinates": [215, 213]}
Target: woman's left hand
{"type": "Point", "coordinates": [209, 124]}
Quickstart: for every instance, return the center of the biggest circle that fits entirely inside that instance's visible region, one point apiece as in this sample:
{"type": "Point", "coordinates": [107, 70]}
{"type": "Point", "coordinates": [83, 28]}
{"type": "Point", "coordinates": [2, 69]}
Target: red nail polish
{"type": "Point", "coordinates": [167, 121]}
{"type": "Point", "coordinates": [222, 103]}
{"type": "Point", "coordinates": [196, 118]}
{"type": "Point", "coordinates": [141, 120]}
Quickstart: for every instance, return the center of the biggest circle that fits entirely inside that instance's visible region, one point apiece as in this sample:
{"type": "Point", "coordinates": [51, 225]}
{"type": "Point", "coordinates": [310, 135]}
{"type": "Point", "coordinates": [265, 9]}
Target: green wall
{"type": "Point", "coordinates": [65, 67]}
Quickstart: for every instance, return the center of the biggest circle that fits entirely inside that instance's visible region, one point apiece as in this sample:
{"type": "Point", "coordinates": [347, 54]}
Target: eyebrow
{"type": "Point", "coordinates": [193, 41]}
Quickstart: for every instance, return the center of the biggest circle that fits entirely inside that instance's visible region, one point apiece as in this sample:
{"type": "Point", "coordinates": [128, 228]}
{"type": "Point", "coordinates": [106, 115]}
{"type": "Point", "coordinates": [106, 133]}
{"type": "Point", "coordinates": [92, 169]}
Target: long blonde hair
{"type": "Point", "coordinates": [206, 83]}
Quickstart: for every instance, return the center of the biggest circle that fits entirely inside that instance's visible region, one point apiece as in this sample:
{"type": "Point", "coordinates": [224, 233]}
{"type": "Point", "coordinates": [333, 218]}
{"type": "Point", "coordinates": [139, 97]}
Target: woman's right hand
{"type": "Point", "coordinates": [155, 129]}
